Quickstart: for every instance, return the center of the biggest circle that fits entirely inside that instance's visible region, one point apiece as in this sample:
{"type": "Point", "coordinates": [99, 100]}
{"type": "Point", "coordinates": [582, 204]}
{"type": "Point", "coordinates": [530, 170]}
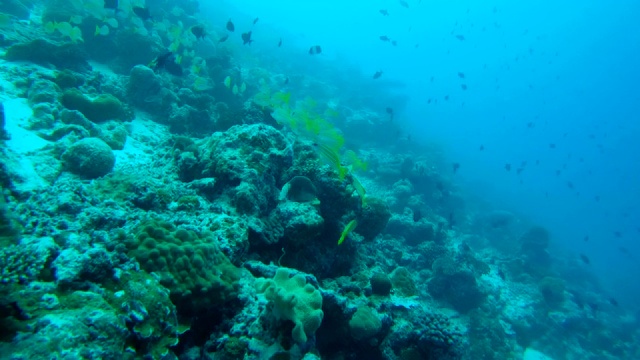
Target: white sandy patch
{"type": "Point", "coordinates": [17, 112]}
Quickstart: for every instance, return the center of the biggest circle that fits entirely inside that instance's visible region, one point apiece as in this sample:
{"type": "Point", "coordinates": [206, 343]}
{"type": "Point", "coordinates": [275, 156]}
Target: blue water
{"type": "Point", "coordinates": [570, 69]}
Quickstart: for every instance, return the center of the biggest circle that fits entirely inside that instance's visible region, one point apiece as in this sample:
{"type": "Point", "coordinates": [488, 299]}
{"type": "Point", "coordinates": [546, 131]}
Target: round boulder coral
{"type": "Point", "coordinates": [373, 218]}
{"type": "Point", "coordinates": [89, 158]}
{"type": "Point", "coordinates": [365, 323]}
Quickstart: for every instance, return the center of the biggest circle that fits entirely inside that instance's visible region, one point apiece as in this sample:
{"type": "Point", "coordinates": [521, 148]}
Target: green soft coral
{"type": "Point", "coordinates": [294, 300]}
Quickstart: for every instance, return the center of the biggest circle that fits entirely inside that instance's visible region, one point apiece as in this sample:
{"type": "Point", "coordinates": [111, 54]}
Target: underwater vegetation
{"type": "Point", "coordinates": [169, 193]}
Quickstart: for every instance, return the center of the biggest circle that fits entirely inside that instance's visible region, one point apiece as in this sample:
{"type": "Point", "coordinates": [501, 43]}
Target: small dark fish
{"type": "Point", "coordinates": [111, 4]}
{"type": "Point", "coordinates": [255, 20]}
{"type": "Point", "coordinates": [390, 112]}
{"type": "Point", "coordinates": [394, 43]}
{"type": "Point", "coordinates": [613, 302]}
{"type": "Point", "coordinates": [142, 12]}
{"type": "Point", "coordinates": [385, 38]}
{"type": "Point", "coordinates": [246, 38]}
{"type": "Point", "coordinates": [315, 50]}
{"type": "Point", "coordinates": [223, 38]}
{"type": "Point", "coordinates": [230, 26]}
{"type": "Point", "coordinates": [570, 185]}
{"type": "Point", "coordinates": [481, 147]}
{"type": "Point", "coordinates": [507, 167]}
{"type": "Point", "coordinates": [377, 74]}
{"type": "Point", "coordinates": [461, 75]}
{"type": "Point", "coordinates": [460, 37]}
{"type": "Point", "coordinates": [199, 31]}
{"type": "Point", "coordinates": [417, 215]}
{"type": "Point", "coordinates": [456, 166]}
{"type": "Point", "coordinates": [552, 146]}
{"type": "Point", "coordinates": [166, 61]}
{"type": "Point", "coordinates": [280, 43]}
{"type": "Point", "coordinates": [446, 97]}
{"type": "Point", "coordinates": [404, 4]}
{"type": "Point", "coordinates": [537, 162]}
{"type": "Point", "coordinates": [585, 259]}
{"type": "Point", "coordinates": [384, 12]}
{"type": "Point", "coordinates": [531, 124]}
{"type": "Point", "coordinates": [429, 101]}
{"type": "Point", "coordinates": [501, 274]}
{"type": "Point", "coordinates": [286, 81]}
{"type": "Point", "coordinates": [463, 86]}
{"type": "Point", "coordinates": [617, 234]}
{"type": "Point", "coordinates": [623, 250]}
{"type": "Point", "coordinates": [558, 172]}
{"type": "Point", "coordinates": [3, 133]}
{"type": "Point", "coordinates": [593, 306]}
{"type": "Point", "coordinates": [519, 171]}
{"type": "Point", "coordinates": [586, 238]}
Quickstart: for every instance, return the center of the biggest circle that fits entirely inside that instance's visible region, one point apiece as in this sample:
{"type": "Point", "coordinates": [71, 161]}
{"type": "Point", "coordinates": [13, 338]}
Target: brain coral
{"type": "Point", "coordinates": [89, 158]}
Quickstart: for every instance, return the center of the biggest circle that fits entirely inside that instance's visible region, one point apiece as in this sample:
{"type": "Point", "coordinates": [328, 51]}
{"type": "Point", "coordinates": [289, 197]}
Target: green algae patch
{"type": "Point", "coordinates": [99, 109]}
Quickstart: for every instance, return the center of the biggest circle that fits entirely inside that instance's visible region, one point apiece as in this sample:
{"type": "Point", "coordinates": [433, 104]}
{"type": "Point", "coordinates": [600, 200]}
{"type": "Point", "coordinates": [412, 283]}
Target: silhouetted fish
{"type": "Point", "coordinates": [618, 234]}
{"type": "Point", "coordinates": [507, 167]}
{"type": "Point", "coordinates": [552, 146]}
{"type": "Point", "coordinates": [280, 43]}
{"type": "Point", "coordinates": [586, 238]}
{"type": "Point", "coordinates": [481, 147]}
{"type": "Point", "coordinates": [166, 61]}
{"type": "Point", "coordinates": [230, 26]}
{"type": "Point", "coordinates": [255, 20]}
{"type": "Point", "coordinates": [417, 215]}
{"type": "Point", "coordinates": [585, 259]}
{"type": "Point", "coordinates": [377, 74]}
{"type": "Point", "coordinates": [223, 38]}
{"type": "Point", "coordinates": [246, 38]}
{"type": "Point", "coordinates": [404, 4]}
{"type": "Point", "coordinates": [460, 37]}
{"type": "Point", "coordinates": [390, 112]}
{"type": "Point", "coordinates": [385, 38]}
{"type": "Point", "coordinates": [463, 86]}
{"type": "Point", "coordinates": [199, 31]}
{"type": "Point", "coordinates": [314, 50]}
{"type": "Point", "coordinates": [142, 12]}
{"type": "Point", "coordinates": [613, 302]}
{"type": "Point", "coordinates": [456, 166]}
{"type": "Point", "coordinates": [461, 75]}
{"type": "Point", "coordinates": [384, 12]}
